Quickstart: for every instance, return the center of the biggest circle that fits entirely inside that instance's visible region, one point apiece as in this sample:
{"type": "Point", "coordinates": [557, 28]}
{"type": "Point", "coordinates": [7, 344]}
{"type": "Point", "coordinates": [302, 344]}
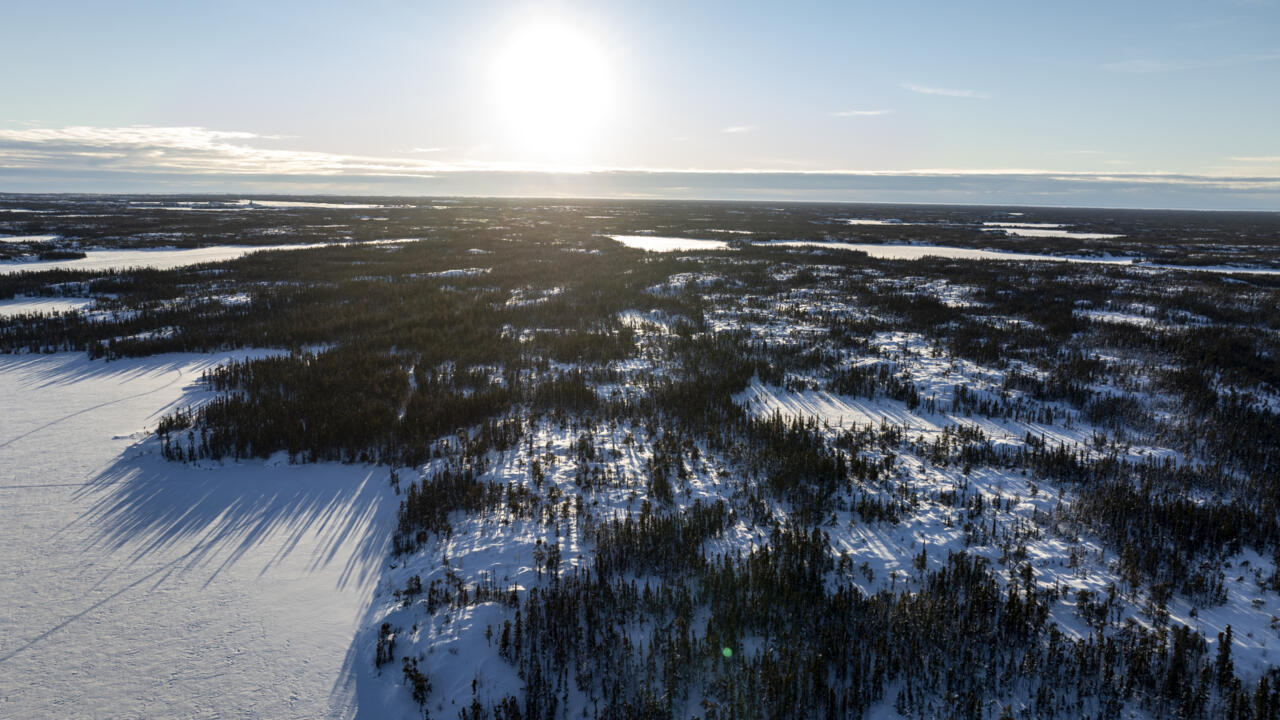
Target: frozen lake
{"type": "Point", "coordinates": [135, 587]}
{"type": "Point", "coordinates": [653, 243]}
{"type": "Point", "coordinates": [915, 252]}
{"type": "Point", "coordinates": [871, 221]}
{"type": "Point", "coordinates": [159, 259]}
{"type": "Point", "coordinates": [1044, 230]}
{"type": "Point", "coordinates": [252, 204]}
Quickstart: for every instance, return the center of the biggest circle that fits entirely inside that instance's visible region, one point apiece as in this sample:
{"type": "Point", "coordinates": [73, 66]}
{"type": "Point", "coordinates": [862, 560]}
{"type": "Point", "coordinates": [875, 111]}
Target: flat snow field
{"type": "Point", "coordinates": [136, 587]}
{"type": "Point", "coordinates": [158, 258]}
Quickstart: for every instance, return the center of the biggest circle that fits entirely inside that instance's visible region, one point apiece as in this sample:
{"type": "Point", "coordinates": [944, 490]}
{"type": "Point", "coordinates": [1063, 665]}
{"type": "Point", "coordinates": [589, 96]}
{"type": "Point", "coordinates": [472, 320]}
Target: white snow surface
{"type": "Point", "coordinates": [159, 259]}
{"type": "Point", "coordinates": [460, 272]}
{"type": "Point", "coordinates": [250, 204]}
{"type": "Point", "coordinates": [869, 221]}
{"type": "Point", "coordinates": [1030, 232]}
{"type": "Point", "coordinates": [915, 252]}
{"type": "Point", "coordinates": [653, 243]}
{"type": "Point", "coordinates": [24, 305]}
{"type": "Point", "coordinates": [137, 587]}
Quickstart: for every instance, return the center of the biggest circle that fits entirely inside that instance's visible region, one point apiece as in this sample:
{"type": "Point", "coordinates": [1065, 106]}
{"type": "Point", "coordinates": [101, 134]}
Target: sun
{"type": "Point", "coordinates": [553, 88]}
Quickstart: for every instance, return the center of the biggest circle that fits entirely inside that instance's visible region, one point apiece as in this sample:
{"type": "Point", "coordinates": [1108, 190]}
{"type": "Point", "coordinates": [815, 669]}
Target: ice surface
{"type": "Point", "coordinates": [136, 587]}
{"type": "Point", "coordinates": [915, 252]}
{"type": "Point", "coordinates": [249, 204]}
{"type": "Point", "coordinates": [653, 243]}
{"type": "Point", "coordinates": [1023, 225]}
{"type": "Point", "coordinates": [1042, 233]}
{"type": "Point", "coordinates": [869, 221]}
{"type": "Point", "coordinates": [160, 259]}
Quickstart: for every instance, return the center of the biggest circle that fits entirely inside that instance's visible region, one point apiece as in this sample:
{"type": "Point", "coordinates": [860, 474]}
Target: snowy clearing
{"type": "Point", "coordinates": [24, 305]}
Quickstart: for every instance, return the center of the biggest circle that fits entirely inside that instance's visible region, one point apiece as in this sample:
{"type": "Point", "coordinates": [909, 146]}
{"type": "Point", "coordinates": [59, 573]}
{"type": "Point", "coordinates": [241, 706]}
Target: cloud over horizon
{"type": "Point", "coordinates": [196, 159]}
{"type": "Point", "coordinates": [195, 150]}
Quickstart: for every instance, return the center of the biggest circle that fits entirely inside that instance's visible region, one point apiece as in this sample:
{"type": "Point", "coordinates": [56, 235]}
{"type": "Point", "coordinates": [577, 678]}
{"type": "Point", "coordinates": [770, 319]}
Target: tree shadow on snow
{"type": "Point", "coordinates": [147, 505]}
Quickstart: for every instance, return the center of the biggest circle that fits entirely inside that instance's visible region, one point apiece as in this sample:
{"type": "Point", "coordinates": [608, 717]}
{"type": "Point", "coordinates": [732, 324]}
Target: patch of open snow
{"type": "Point", "coordinates": [460, 272]}
{"type": "Point", "coordinates": [1118, 318]}
{"type": "Point", "coordinates": [1036, 233]}
{"type": "Point", "coordinates": [25, 305]}
{"type": "Point", "coordinates": [916, 252]}
{"type": "Point", "coordinates": [252, 204]}
{"type": "Point", "coordinates": [158, 259]}
{"type": "Point", "coordinates": [653, 243]}
{"type": "Point", "coordinates": [869, 221]}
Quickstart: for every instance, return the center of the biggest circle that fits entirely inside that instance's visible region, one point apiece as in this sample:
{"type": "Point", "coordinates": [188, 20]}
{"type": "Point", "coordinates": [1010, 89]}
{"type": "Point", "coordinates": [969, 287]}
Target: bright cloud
{"type": "Point", "coordinates": [194, 150]}
{"type": "Point", "coordinates": [947, 92]}
{"type": "Point", "coordinates": [143, 158]}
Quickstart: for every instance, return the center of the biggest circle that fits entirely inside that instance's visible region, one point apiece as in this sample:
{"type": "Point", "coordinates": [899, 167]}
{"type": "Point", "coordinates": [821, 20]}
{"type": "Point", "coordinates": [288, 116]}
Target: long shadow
{"type": "Point", "coordinates": [144, 505]}
{"type": "Point", "coordinates": [360, 679]}
{"type": "Point", "coordinates": [48, 370]}
{"type": "Point", "coordinates": [148, 507]}
{"type": "Point", "coordinates": [173, 518]}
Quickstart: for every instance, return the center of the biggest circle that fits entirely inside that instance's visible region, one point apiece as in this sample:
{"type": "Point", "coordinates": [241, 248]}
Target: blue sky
{"type": "Point", "coordinates": [1155, 103]}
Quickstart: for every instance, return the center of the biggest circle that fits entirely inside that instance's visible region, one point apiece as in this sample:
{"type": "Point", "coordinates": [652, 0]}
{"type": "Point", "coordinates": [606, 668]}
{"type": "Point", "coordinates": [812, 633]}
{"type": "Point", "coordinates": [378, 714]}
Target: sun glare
{"type": "Point", "coordinates": [553, 87]}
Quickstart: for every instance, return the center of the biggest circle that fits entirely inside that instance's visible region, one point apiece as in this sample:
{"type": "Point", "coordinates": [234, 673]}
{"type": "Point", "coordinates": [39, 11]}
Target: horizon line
{"type": "Point", "coordinates": [617, 198]}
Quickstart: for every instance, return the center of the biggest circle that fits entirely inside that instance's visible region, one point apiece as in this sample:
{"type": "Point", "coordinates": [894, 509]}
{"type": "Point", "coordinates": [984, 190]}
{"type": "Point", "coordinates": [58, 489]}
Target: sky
{"type": "Point", "coordinates": [1142, 104]}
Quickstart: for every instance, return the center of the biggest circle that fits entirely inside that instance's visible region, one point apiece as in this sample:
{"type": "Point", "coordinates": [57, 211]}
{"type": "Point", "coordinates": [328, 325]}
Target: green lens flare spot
{"type": "Point", "coordinates": [727, 652]}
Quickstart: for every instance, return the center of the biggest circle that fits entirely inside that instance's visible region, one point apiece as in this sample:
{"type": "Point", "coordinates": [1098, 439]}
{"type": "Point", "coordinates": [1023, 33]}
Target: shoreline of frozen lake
{"type": "Point", "coordinates": [137, 587]}
{"type": "Point", "coordinates": [150, 258]}
{"type": "Point", "coordinates": [915, 252]}
{"type": "Point", "coordinates": [654, 243]}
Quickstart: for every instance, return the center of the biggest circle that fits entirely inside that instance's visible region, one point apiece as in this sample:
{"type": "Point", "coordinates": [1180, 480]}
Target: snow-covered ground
{"type": "Point", "coordinates": [25, 305]}
{"type": "Point", "coordinates": [456, 646]}
{"type": "Point", "coordinates": [159, 259]}
{"type": "Point", "coordinates": [1044, 230]}
{"type": "Point", "coordinates": [653, 243]}
{"type": "Point", "coordinates": [250, 204]}
{"type": "Point", "coordinates": [915, 252]}
{"type": "Point", "coordinates": [136, 587]}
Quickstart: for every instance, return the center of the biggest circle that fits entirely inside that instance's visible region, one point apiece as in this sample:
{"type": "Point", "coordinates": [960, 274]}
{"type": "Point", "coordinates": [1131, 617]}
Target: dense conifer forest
{"type": "Point", "coordinates": [754, 482]}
